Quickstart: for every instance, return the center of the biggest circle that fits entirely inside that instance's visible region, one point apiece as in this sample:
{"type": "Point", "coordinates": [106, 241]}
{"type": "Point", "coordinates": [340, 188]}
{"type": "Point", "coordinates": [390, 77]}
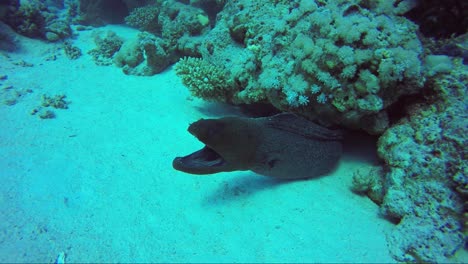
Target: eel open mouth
{"type": "Point", "coordinates": [203, 161]}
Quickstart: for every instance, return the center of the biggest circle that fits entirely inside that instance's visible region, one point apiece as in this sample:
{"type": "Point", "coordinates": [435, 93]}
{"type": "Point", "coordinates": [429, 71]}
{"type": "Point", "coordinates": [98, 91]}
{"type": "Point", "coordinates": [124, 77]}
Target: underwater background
{"type": "Point", "coordinates": [96, 98]}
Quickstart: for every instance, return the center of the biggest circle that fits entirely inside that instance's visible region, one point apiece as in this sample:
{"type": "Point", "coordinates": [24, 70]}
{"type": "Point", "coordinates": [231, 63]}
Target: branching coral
{"type": "Point", "coordinates": [203, 79]}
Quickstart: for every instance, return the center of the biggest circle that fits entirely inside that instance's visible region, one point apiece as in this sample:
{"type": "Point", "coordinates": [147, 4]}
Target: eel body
{"type": "Point", "coordinates": [283, 146]}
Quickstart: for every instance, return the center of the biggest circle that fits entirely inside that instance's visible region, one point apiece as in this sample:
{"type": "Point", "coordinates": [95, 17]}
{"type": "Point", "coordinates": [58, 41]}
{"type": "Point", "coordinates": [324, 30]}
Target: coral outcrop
{"type": "Point", "coordinates": [306, 60]}
{"type": "Point", "coordinates": [100, 12]}
{"type": "Point", "coordinates": [34, 19]}
{"type": "Point", "coordinates": [165, 24]}
{"type": "Point", "coordinates": [106, 47]}
{"type": "Point", "coordinates": [427, 181]}
{"type": "Point", "coordinates": [72, 52]}
{"type": "Point", "coordinates": [145, 55]}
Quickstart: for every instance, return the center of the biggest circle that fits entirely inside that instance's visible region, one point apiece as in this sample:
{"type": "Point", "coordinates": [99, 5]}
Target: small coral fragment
{"type": "Point", "coordinates": [57, 101]}
{"type": "Point", "coordinates": [46, 114]}
{"type": "Point", "coordinates": [72, 52]}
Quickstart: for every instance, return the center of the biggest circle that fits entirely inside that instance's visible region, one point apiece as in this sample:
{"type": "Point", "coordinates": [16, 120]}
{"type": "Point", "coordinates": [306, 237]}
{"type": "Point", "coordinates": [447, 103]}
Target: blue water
{"type": "Point", "coordinates": [93, 112]}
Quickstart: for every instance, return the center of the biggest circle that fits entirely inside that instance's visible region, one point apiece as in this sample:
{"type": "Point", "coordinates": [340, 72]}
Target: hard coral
{"type": "Point", "coordinates": [144, 18]}
{"type": "Point", "coordinates": [168, 23]}
{"type": "Point", "coordinates": [29, 19]}
{"type": "Point", "coordinates": [106, 47]}
{"type": "Point", "coordinates": [34, 19]}
{"type": "Point", "coordinates": [425, 154]}
{"type": "Point", "coordinates": [146, 55]}
{"type": "Point", "coordinates": [203, 79]}
{"type": "Point", "coordinates": [72, 52]}
{"type": "Point", "coordinates": [358, 73]}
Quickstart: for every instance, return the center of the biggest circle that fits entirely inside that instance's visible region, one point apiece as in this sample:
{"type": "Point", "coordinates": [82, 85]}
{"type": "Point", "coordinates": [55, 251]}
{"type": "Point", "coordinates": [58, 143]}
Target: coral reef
{"type": "Point", "coordinates": [129, 56]}
{"type": "Point", "coordinates": [145, 55]}
{"type": "Point", "coordinates": [169, 19]}
{"type": "Point", "coordinates": [55, 3]}
{"type": "Point", "coordinates": [57, 30]}
{"type": "Point", "coordinates": [166, 25]}
{"type": "Point", "coordinates": [144, 18]}
{"type": "Point", "coordinates": [72, 52]}
{"type": "Point", "coordinates": [169, 29]}
{"type": "Point", "coordinates": [101, 12]}
{"type": "Point", "coordinates": [106, 47]}
{"type": "Point", "coordinates": [28, 19]}
{"type": "Point", "coordinates": [441, 19]}
{"type": "Point", "coordinates": [203, 79]}
{"type": "Point", "coordinates": [360, 64]}
{"type": "Point", "coordinates": [427, 181]}
{"type": "Point", "coordinates": [34, 19]}
{"type": "Point", "coordinates": [369, 180]}
{"type": "Point", "coordinates": [308, 61]}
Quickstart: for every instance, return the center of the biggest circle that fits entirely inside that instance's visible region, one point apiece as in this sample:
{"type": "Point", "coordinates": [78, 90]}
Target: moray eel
{"type": "Point", "coordinates": [283, 146]}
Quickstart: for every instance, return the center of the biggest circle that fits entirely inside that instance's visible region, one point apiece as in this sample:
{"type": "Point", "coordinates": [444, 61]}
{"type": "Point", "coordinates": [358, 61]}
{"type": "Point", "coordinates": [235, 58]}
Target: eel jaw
{"type": "Point", "coordinates": [203, 161]}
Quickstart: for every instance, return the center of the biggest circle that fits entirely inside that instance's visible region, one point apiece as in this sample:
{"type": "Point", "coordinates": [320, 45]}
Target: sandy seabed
{"type": "Point", "coordinates": [96, 183]}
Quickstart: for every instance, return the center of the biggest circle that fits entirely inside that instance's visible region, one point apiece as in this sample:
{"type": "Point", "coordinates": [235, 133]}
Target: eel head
{"type": "Point", "coordinates": [227, 147]}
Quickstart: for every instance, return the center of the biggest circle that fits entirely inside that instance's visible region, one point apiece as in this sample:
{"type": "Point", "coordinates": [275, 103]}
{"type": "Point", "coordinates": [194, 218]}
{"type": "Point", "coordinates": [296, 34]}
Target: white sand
{"type": "Point", "coordinates": [97, 183]}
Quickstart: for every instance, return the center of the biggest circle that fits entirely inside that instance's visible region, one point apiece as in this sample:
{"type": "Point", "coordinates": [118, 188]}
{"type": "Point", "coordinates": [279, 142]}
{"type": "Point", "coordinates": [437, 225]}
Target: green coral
{"type": "Point", "coordinates": [204, 79]}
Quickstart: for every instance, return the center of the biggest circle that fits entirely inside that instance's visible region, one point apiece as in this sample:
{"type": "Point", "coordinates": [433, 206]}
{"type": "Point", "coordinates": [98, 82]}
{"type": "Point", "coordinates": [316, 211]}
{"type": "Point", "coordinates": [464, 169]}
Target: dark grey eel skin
{"type": "Point", "coordinates": [284, 146]}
